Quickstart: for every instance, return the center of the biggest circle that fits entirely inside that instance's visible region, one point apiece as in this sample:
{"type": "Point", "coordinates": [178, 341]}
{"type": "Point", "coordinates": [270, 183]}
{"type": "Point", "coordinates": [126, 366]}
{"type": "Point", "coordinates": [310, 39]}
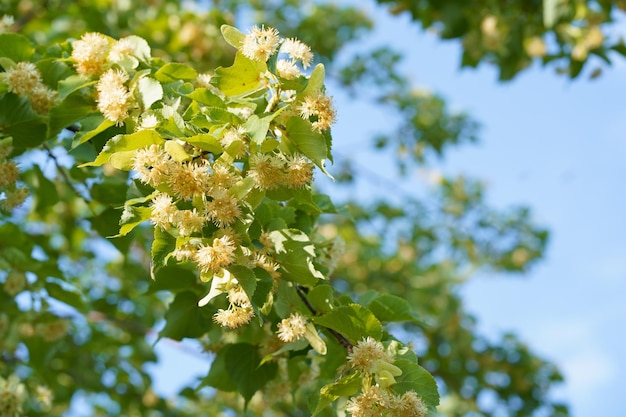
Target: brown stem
{"type": "Point", "coordinates": [340, 338]}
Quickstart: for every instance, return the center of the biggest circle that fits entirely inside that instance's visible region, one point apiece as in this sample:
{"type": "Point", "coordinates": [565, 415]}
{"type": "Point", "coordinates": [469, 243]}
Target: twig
{"type": "Point", "coordinates": [63, 174]}
{"type": "Point", "coordinates": [340, 338]}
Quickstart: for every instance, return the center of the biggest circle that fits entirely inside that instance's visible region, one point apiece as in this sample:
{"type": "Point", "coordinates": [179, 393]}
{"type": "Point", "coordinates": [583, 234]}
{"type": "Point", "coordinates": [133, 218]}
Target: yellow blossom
{"type": "Point", "coordinates": [235, 317]}
{"type": "Point", "coordinates": [287, 69]}
{"type": "Point", "coordinates": [365, 354]}
{"type": "Point", "coordinates": [113, 96]}
{"type": "Point", "coordinates": [292, 328]}
{"type": "Point", "coordinates": [223, 209]}
{"type": "Point", "coordinates": [189, 180]}
{"type": "Point", "coordinates": [163, 210]}
{"type": "Point", "coordinates": [321, 109]}
{"type": "Point", "coordinates": [188, 222]}
{"type": "Point", "coordinates": [260, 43]}
{"type": "Point", "coordinates": [299, 172]}
{"type": "Point", "coordinates": [23, 78]}
{"type": "Point", "coordinates": [298, 51]}
{"type": "Point", "coordinates": [12, 396]}
{"type": "Point", "coordinates": [90, 54]}
{"type": "Point", "coordinates": [266, 170]}
{"type": "Point", "coordinates": [152, 165]}
{"type": "Point", "coordinates": [42, 98]}
{"type": "Point", "coordinates": [211, 258]}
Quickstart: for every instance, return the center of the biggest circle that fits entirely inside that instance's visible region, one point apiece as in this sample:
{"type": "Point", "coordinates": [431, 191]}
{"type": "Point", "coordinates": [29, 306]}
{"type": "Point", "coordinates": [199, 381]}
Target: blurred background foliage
{"type": "Point", "coordinates": [87, 311]}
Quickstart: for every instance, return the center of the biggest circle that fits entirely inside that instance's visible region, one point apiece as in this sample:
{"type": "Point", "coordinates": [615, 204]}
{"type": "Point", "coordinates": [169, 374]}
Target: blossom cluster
{"type": "Point", "coordinates": [13, 395]}
{"type": "Point", "coordinates": [98, 56]}
{"type": "Point", "coordinates": [11, 193]}
{"type": "Point", "coordinates": [24, 79]}
{"type": "Point", "coordinates": [370, 358]}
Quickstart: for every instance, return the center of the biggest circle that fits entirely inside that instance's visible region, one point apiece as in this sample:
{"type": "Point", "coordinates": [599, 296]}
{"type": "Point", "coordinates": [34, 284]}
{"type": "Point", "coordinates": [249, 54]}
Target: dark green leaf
{"type": "Point", "coordinates": [16, 47]}
{"type": "Point", "coordinates": [173, 278]}
{"type": "Point", "coordinates": [19, 120]}
{"type": "Point", "coordinates": [163, 244]}
{"type": "Point", "coordinates": [66, 293]}
{"type": "Point", "coordinates": [354, 321]}
{"type": "Point", "coordinates": [185, 319]}
{"type": "Point", "coordinates": [417, 379]}
{"type": "Point", "coordinates": [242, 363]}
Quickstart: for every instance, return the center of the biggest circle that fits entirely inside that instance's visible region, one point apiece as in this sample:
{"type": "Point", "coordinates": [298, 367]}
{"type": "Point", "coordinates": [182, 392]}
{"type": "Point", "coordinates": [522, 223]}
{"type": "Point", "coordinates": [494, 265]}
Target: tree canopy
{"type": "Point", "coordinates": [156, 181]}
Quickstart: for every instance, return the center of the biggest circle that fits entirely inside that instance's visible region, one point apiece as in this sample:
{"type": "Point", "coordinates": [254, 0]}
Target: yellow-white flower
{"type": "Point", "coordinates": [12, 396]}
{"type": "Point", "coordinates": [113, 96]}
{"type": "Point", "coordinates": [211, 258]}
{"type": "Point", "coordinates": [23, 78]}
{"type": "Point", "coordinates": [90, 54]}
{"type": "Point", "coordinates": [292, 328]}
{"type": "Point", "coordinates": [234, 317]}
{"type": "Point", "coordinates": [320, 107]}
{"type": "Point", "coordinates": [298, 51]}
{"type": "Point", "coordinates": [260, 43]}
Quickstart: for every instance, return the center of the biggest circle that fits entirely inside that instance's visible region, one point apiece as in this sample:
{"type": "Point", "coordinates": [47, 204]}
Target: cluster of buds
{"type": "Point", "coordinates": [6, 23]}
{"type": "Point", "coordinates": [375, 363]}
{"type": "Point", "coordinates": [24, 79]}
{"type": "Point", "coordinates": [13, 395]}
{"type": "Point", "coordinates": [14, 195]}
{"type": "Point", "coordinates": [98, 56]}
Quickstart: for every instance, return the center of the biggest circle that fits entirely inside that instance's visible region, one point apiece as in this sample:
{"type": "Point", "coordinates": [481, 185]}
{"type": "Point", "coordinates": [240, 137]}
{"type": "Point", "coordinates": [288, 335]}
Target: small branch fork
{"type": "Point", "coordinates": [340, 338]}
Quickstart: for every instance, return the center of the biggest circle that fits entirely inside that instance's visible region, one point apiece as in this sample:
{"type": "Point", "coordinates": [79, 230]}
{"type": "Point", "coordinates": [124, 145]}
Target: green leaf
{"type": "Point", "coordinates": [242, 188]}
{"type": "Point", "coordinates": [176, 151]}
{"type": "Point", "coordinates": [345, 387]}
{"type": "Point", "coordinates": [172, 278]}
{"type": "Point", "coordinates": [243, 76]}
{"type": "Point", "coordinates": [46, 195]}
{"type": "Point", "coordinates": [317, 343]}
{"type": "Point", "coordinates": [19, 120]}
{"type": "Point", "coordinates": [391, 308]}
{"type": "Point", "coordinates": [53, 70]}
{"type": "Point", "coordinates": [307, 141]}
{"type": "Point", "coordinates": [315, 83]}
{"type": "Point", "coordinates": [206, 97]}
{"type": "Point", "coordinates": [138, 216]}
{"type": "Point", "coordinates": [353, 321]}
{"type": "Point", "coordinates": [263, 292]}
{"type": "Point", "coordinates": [174, 71]}
{"type": "Point", "coordinates": [257, 127]}
{"type": "Point", "coordinates": [70, 110]}
{"type": "Point", "coordinates": [90, 134]}
{"type": "Point", "coordinates": [163, 244]}
{"type": "Point", "coordinates": [185, 319]}
{"type": "Point", "coordinates": [245, 277]}
{"type": "Point", "coordinates": [150, 91]}
{"type": "Point", "coordinates": [321, 298]}
{"type": "Point", "coordinates": [415, 378]}
{"type": "Point", "coordinates": [242, 364]}
{"type": "Point", "coordinates": [232, 35]}
{"type": "Point", "coordinates": [205, 141]}
{"type": "Point", "coordinates": [218, 376]}
{"type": "Point", "coordinates": [120, 149]}
{"type": "Point", "coordinates": [66, 293]}
{"type": "Point", "coordinates": [71, 84]}
{"type": "Point", "coordinates": [16, 47]}
{"type": "Point", "coordinates": [295, 254]}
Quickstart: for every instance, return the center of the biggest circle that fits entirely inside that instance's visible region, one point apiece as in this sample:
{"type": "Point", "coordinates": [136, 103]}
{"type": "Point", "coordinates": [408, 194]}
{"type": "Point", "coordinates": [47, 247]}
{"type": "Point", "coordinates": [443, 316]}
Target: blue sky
{"type": "Point", "coordinates": [555, 145]}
